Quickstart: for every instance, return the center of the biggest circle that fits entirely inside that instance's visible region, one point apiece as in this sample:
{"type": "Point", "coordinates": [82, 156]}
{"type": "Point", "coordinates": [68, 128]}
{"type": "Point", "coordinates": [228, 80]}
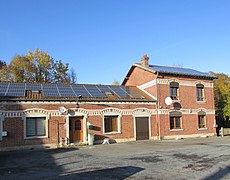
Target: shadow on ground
{"type": "Point", "coordinates": [31, 163]}
{"type": "Point", "coordinates": [219, 174]}
{"type": "Point", "coordinates": [110, 173]}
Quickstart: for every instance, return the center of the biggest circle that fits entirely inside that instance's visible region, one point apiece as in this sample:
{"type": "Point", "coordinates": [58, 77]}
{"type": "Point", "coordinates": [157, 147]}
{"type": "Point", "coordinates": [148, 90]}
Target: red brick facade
{"type": "Point", "coordinates": [13, 117]}
{"type": "Point", "coordinates": [178, 120]}
{"type": "Point", "coordinates": [159, 87]}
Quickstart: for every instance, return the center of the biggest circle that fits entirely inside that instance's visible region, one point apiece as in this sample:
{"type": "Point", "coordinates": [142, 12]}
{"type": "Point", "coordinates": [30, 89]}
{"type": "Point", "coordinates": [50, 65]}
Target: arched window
{"type": "Point", "coordinates": [201, 119]}
{"type": "Point", "coordinates": [174, 86]}
{"type": "Point", "coordinates": [175, 120]}
{"type": "Point", "coordinates": [200, 92]}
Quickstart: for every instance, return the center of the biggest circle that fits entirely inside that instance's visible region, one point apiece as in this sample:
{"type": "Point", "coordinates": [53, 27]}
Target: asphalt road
{"type": "Point", "coordinates": [202, 158]}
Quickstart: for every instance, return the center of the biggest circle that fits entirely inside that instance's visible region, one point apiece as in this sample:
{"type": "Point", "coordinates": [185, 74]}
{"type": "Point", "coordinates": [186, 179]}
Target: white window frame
{"type": "Point", "coordinates": [118, 122]}
{"type": "Point", "coordinates": [36, 115]}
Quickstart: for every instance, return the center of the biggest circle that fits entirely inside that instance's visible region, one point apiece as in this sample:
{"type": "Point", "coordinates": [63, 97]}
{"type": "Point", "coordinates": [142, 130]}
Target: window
{"type": "Point", "coordinates": [111, 124]}
{"type": "Point", "coordinates": [35, 126]}
{"type": "Point", "coordinates": [200, 92]}
{"type": "Point", "coordinates": [201, 119]}
{"type": "Point", "coordinates": [174, 86]}
{"type": "Point", "coordinates": [175, 120]}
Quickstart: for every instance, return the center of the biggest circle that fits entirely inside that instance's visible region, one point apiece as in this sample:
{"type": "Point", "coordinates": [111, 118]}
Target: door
{"type": "Point", "coordinates": [142, 128]}
{"type": "Point", "coordinates": [76, 129]}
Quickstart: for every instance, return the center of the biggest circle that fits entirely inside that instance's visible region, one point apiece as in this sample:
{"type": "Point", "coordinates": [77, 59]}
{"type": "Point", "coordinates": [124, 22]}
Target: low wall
{"type": "Point", "coordinates": [225, 131]}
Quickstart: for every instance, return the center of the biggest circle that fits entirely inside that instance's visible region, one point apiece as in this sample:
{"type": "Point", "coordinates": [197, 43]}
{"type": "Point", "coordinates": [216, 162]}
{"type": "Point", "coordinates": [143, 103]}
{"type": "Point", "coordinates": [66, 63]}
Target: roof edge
{"type": "Point", "coordinates": [131, 69]}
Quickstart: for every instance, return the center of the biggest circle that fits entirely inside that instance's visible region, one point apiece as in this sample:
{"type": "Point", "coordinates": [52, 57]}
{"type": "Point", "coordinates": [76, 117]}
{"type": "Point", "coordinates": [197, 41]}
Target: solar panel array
{"type": "Point", "coordinates": [180, 70]}
{"type": "Point", "coordinates": [68, 90]}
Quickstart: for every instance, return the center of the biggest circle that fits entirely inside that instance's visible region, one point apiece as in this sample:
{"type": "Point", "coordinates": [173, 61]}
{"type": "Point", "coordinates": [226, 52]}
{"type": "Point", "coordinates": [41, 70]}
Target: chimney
{"type": "Point", "coordinates": [145, 61]}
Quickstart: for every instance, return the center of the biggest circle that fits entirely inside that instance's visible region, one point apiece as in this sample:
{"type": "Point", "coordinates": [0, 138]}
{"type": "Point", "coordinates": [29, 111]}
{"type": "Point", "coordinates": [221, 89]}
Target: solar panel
{"type": "Point", "coordinates": [80, 90]}
{"type": "Point", "coordinates": [119, 91]}
{"type": "Point", "coordinates": [3, 88]}
{"type": "Point", "coordinates": [66, 90]}
{"type": "Point", "coordinates": [50, 90]}
{"type": "Point", "coordinates": [16, 89]}
{"type": "Point", "coordinates": [94, 91]}
{"type": "Point", "coordinates": [33, 87]}
{"type": "Point", "coordinates": [104, 88]}
{"type": "Point", "coordinates": [132, 92]}
{"type": "Point", "coordinates": [180, 70]}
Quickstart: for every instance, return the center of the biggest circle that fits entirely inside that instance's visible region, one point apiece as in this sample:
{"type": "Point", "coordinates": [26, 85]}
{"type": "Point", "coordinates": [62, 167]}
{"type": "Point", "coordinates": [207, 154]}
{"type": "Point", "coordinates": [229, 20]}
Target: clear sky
{"type": "Point", "coordinates": [101, 39]}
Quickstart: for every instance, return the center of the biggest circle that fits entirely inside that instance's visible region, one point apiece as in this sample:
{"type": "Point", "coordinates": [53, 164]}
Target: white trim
{"type": "Point", "coordinates": [146, 92]}
{"type": "Point", "coordinates": [63, 103]}
{"type": "Point", "coordinates": [202, 129]}
{"type": "Point", "coordinates": [148, 84]}
{"type": "Point", "coordinates": [36, 114]}
{"type": "Point", "coordinates": [185, 83]}
{"type": "Point", "coordinates": [77, 114]}
{"type": "Point", "coordinates": [175, 130]}
{"type": "Point", "coordinates": [112, 112]}
{"type": "Point", "coordinates": [139, 113]}
{"type": "Point", "coordinates": [188, 111]}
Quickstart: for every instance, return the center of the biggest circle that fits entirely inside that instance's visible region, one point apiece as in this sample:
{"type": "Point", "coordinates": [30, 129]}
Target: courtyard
{"type": "Point", "coordinates": [199, 158]}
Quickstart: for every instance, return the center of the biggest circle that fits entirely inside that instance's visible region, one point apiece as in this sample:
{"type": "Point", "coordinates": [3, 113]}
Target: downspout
{"type": "Point", "coordinates": [213, 107]}
{"type": "Point", "coordinates": [157, 108]}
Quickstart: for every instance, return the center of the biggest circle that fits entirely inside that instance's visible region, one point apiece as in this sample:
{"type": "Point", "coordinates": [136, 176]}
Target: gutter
{"type": "Point", "coordinates": [157, 112]}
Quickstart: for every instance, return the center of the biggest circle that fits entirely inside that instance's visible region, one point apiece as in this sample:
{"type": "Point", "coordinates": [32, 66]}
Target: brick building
{"type": "Point", "coordinates": [191, 112]}
{"type": "Point", "coordinates": [54, 114]}
{"type": "Point", "coordinates": [140, 108]}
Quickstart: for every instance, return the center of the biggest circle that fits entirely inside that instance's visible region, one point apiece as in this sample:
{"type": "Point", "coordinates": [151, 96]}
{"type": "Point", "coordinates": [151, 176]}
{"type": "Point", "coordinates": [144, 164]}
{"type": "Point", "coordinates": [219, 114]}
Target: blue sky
{"type": "Point", "coordinates": [101, 39]}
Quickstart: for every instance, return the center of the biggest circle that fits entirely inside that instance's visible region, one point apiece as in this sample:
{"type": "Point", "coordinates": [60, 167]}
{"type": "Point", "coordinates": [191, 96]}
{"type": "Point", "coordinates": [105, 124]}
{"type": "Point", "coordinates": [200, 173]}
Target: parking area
{"type": "Point", "coordinates": [200, 158]}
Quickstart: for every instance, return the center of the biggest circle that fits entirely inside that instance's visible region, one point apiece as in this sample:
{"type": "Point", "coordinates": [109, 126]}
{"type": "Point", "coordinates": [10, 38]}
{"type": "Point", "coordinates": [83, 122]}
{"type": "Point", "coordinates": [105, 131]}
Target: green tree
{"type": "Point", "coordinates": [222, 96]}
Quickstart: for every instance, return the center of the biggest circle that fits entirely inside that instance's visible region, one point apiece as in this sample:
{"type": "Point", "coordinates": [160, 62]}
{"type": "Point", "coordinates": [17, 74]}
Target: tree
{"type": "Point", "coordinates": [61, 72]}
{"type": "Point", "coordinates": [21, 68]}
{"type": "Point", "coordinates": [39, 66]}
{"type": "Point", "coordinates": [2, 64]}
{"type": "Point", "coordinates": [115, 82]}
{"type": "Point", "coordinates": [5, 74]}
{"type": "Point", "coordinates": [73, 77]}
{"type": "Point", "coordinates": [222, 96]}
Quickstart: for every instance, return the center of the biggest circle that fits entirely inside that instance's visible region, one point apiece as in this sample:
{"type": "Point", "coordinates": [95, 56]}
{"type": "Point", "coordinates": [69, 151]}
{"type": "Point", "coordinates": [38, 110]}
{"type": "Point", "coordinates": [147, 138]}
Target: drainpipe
{"type": "Point", "coordinates": [157, 108]}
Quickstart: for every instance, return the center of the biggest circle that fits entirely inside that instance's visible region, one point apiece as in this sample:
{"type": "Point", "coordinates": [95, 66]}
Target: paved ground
{"type": "Point", "coordinates": [205, 158]}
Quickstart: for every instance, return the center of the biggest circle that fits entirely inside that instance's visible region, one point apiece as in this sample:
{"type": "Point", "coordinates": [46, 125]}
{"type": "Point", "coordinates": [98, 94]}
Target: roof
{"type": "Point", "coordinates": [169, 70]}
{"type": "Point", "coordinates": [86, 92]}
{"type": "Point", "coordinates": [180, 71]}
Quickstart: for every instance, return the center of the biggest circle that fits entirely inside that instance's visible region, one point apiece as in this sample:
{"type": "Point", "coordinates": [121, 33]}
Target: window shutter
{"type": "Point", "coordinates": [30, 127]}
{"type": "Point", "coordinates": [40, 126]}
{"type": "Point", "coordinates": [114, 124]}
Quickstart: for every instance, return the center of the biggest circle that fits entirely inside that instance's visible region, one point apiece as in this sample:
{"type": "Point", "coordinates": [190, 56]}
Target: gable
{"type": "Point", "coordinates": [138, 76]}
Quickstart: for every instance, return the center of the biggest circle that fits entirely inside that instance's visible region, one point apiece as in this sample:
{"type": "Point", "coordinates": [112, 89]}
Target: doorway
{"type": "Point", "coordinates": [142, 128]}
{"type": "Point", "coordinates": [76, 129]}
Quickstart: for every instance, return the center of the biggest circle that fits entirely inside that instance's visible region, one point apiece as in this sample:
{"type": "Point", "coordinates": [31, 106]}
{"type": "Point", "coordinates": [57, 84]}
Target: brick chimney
{"type": "Point", "coordinates": [145, 61]}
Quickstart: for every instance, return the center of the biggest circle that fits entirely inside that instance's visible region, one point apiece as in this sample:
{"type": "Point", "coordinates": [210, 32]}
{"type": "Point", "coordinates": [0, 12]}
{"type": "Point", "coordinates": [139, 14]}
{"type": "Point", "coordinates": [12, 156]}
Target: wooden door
{"type": "Point", "coordinates": [76, 129]}
{"type": "Point", "coordinates": [142, 128]}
